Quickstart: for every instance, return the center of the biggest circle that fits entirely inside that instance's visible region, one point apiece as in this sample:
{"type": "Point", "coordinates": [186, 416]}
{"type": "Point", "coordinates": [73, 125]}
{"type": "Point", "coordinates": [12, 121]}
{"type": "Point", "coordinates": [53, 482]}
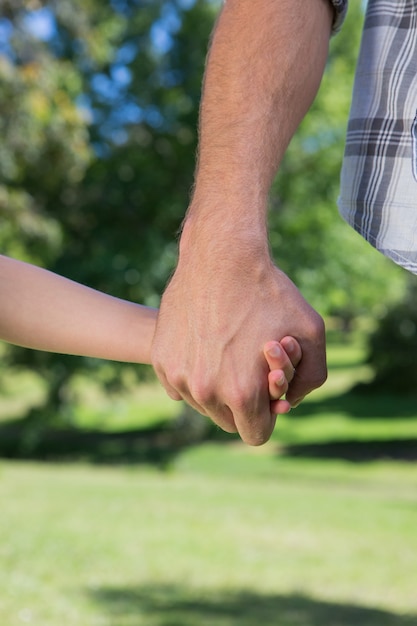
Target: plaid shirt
{"type": "Point", "coordinates": [378, 195]}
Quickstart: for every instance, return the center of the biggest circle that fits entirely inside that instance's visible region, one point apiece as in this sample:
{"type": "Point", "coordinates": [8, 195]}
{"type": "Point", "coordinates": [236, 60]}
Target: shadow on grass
{"type": "Point", "coordinates": [355, 451]}
{"type": "Point", "coordinates": [33, 438]}
{"type": "Point", "coordinates": [160, 444]}
{"type": "Point", "coordinates": [179, 606]}
{"type": "Point", "coordinates": [358, 405]}
{"type": "Point", "coordinates": [157, 445]}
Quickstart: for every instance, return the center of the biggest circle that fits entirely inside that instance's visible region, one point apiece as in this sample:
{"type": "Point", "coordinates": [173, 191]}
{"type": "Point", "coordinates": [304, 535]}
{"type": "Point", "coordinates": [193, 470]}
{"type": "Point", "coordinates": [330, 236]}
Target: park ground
{"type": "Point", "coordinates": [316, 528]}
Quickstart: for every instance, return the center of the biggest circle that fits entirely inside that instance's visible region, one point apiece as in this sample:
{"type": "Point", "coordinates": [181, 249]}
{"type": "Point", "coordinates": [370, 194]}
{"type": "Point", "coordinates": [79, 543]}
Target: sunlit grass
{"type": "Point", "coordinates": [84, 545]}
{"type": "Point", "coordinates": [227, 535]}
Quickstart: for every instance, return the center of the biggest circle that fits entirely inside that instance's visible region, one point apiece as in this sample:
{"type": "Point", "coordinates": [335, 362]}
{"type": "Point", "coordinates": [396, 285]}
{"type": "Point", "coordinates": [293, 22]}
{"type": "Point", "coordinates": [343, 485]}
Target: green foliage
{"type": "Point", "coordinates": [227, 537]}
{"type": "Point", "coordinates": [392, 347]}
{"type": "Point", "coordinates": [98, 122]}
{"type": "Point", "coordinates": [43, 153]}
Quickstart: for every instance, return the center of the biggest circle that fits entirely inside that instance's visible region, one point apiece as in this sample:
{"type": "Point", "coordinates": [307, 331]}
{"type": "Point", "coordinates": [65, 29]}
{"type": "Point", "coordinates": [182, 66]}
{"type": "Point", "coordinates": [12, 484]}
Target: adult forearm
{"type": "Point", "coordinates": [226, 299]}
{"type": "Point", "coordinates": [263, 70]}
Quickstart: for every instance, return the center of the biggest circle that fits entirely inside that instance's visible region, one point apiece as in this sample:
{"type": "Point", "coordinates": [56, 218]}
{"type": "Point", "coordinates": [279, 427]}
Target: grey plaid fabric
{"type": "Point", "coordinates": [378, 194]}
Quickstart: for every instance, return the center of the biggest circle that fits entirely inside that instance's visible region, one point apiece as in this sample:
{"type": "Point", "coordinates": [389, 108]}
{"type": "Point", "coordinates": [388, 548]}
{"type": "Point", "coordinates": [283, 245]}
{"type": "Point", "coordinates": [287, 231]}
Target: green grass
{"type": "Point", "coordinates": [299, 532]}
{"type": "Point", "coordinates": [229, 536]}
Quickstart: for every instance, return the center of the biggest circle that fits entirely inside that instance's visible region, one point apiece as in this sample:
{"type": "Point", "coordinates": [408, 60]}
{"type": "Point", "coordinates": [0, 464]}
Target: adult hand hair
{"type": "Point", "coordinates": [217, 313]}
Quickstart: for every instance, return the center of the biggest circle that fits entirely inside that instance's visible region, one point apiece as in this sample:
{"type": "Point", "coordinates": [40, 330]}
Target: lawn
{"type": "Point", "coordinates": [307, 530]}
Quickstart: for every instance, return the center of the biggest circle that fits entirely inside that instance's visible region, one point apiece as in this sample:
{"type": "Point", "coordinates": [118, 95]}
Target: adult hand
{"type": "Point", "coordinates": [220, 308]}
{"type": "Point", "coordinates": [226, 299]}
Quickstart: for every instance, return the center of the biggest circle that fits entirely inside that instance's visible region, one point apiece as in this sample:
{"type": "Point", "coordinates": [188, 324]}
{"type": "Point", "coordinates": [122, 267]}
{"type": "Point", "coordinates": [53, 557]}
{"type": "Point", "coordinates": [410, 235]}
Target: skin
{"type": "Point", "coordinates": [282, 359]}
{"type": "Point", "coordinates": [44, 311]}
{"type": "Point", "coordinates": [226, 298]}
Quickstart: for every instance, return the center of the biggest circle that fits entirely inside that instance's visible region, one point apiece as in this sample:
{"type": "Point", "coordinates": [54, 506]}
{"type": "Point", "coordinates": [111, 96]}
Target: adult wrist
{"type": "Point", "coordinates": [222, 234]}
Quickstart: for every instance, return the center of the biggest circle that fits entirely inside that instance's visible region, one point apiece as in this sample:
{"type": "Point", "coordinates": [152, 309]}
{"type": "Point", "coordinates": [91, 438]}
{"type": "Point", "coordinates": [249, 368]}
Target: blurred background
{"type": "Point", "coordinates": [119, 506]}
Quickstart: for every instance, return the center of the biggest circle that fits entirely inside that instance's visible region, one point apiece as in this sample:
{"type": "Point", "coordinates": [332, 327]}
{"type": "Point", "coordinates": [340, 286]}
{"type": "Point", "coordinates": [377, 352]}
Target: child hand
{"type": "Point", "coordinates": [282, 358]}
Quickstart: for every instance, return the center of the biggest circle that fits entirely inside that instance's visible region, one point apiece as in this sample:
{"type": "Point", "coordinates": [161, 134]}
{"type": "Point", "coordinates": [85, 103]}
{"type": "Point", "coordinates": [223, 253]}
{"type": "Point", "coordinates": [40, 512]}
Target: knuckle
{"type": "Point", "coordinates": [202, 392]}
{"type": "Point", "coordinates": [170, 376]}
{"type": "Point", "coordinates": [315, 327]}
{"type": "Point", "coordinates": [176, 380]}
{"type": "Point", "coordinates": [240, 400]}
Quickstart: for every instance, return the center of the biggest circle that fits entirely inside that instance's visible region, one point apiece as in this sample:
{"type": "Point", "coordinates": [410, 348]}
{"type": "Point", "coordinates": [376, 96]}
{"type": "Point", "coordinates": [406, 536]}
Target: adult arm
{"type": "Point", "coordinates": [44, 311]}
{"type": "Point", "coordinates": [226, 299]}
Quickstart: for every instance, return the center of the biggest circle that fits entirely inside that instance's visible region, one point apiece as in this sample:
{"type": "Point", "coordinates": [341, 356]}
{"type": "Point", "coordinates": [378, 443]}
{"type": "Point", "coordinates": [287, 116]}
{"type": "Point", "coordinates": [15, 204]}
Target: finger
{"type": "Point", "coordinates": [255, 426]}
{"type": "Point", "coordinates": [293, 350]}
{"type": "Point", "coordinates": [176, 393]}
{"type": "Point", "coordinates": [278, 359]}
{"type": "Point", "coordinates": [277, 384]}
{"type": "Point", "coordinates": [223, 418]}
{"type": "Point", "coordinates": [210, 406]}
{"type": "Point", "coordinates": [280, 407]}
{"type": "Point", "coordinates": [171, 391]}
{"type": "Point", "coordinates": [220, 414]}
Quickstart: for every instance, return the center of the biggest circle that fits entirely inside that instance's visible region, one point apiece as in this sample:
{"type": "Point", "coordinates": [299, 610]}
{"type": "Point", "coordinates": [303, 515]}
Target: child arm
{"type": "Point", "coordinates": [44, 311]}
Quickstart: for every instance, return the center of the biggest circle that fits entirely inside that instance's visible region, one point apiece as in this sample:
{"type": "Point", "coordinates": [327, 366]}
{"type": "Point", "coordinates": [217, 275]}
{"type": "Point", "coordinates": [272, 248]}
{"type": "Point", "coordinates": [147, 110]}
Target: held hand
{"type": "Point", "coordinates": [283, 358]}
{"type": "Point", "coordinates": [216, 315]}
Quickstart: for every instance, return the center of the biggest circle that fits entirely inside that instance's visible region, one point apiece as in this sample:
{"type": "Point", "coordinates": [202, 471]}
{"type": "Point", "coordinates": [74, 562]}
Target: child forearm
{"type": "Point", "coordinates": [44, 311]}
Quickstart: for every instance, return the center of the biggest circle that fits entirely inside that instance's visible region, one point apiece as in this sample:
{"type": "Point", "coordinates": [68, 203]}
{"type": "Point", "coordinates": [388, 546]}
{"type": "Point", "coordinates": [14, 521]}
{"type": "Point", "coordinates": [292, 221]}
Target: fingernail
{"type": "Point", "coordinates": [275, 351]}
{"type": "Point", "coordinates": [290, 346]}
{"type": "Point", "coordinates": [280, 381]}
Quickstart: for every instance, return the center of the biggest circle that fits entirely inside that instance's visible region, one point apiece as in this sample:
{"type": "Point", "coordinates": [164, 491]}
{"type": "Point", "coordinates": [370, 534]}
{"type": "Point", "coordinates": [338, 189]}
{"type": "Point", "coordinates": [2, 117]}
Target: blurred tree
{"type": "Point", "coordinates": [44, 152]}
{"type": "Point", "coordinates": [391, 347]}
{"type": "Point", "coordinates": [144, 107]}
{"type": "Point", "coordinates": [100, 106]}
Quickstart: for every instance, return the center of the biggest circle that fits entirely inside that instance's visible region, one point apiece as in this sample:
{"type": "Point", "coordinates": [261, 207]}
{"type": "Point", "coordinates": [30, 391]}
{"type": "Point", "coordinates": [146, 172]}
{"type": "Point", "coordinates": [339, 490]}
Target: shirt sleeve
{"type": "Point", "coordinates": [378, 185]}
{"type": "Point", "coordinates": [340, 8]}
